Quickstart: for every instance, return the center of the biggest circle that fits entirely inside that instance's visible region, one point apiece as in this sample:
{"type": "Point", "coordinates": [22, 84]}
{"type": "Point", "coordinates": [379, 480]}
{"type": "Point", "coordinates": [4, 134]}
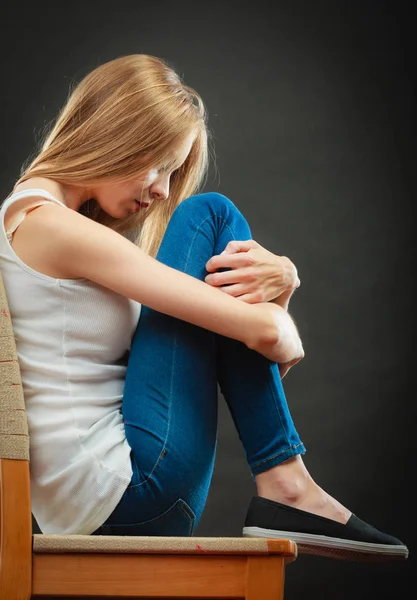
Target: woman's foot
{"type": "Point", "coordinates": [292, 506]}
{"type": "Point", "coordinates": [290, 483]}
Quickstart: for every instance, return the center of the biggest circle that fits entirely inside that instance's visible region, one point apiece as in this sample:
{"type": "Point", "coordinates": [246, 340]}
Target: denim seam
{"type": "Point", "coordinates": [149, 478]}
{"type": "Point", "coordinates": [187, 510]}
{"type": "Point", "coordinates": [273, 393]}
{"type": "Point", "coordinates": [225, 224]}
{"type": "Point", "coordinates": [176, 332]}
{"type": "Point", "coordinates": [290, 447]}
{"type": "Point", "coordinates": [163, 451]}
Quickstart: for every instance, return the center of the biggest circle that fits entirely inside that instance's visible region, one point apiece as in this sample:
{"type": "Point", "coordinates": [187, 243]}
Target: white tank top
{"type": "Point", "coordinates": [72, 337]}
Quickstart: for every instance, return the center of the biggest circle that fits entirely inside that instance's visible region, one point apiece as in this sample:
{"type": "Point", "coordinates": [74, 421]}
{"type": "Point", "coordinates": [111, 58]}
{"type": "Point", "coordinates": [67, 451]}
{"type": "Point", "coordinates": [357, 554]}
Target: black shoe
{"type": "Point", "coordinates": [356, 540]}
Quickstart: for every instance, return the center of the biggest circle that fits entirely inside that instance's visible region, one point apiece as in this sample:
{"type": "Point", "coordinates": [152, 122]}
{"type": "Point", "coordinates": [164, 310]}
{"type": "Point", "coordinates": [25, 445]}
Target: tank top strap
{"type": "Point", "coordinates": [16, 196]}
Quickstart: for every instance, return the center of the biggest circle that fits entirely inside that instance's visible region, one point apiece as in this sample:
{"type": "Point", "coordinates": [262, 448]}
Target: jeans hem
{"type": "Point", "coordinates": [278, 459]}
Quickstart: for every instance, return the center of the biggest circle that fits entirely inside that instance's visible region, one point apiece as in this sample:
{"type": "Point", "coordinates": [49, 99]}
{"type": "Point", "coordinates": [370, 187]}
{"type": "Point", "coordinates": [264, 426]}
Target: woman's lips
{"type": "Point", "coordinates": [140, 204]}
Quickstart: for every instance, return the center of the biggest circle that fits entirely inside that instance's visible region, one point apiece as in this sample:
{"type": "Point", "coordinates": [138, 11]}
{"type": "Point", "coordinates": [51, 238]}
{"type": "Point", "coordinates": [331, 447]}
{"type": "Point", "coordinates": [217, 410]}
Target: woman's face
{"type": "Point", "coordinates": [120, 200]}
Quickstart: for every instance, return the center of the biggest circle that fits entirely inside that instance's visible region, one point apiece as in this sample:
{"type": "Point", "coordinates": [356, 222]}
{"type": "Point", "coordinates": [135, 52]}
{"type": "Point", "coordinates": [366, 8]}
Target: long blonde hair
{"type": "Point", "coordinates": [123, 117]}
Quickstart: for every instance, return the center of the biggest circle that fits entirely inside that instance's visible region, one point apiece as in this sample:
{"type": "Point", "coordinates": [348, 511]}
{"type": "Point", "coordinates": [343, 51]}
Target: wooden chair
{"type": "Point", "coordinates": [69, 566]}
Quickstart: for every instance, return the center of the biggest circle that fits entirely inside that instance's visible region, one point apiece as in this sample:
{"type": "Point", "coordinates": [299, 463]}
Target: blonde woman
{"type": "Point", "coordinates": [132, 296]}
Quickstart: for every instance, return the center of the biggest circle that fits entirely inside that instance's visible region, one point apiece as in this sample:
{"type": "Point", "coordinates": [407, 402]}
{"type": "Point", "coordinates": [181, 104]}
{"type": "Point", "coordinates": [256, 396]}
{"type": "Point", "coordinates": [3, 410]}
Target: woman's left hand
{"type": "Point", "coordinates": [256, 274]}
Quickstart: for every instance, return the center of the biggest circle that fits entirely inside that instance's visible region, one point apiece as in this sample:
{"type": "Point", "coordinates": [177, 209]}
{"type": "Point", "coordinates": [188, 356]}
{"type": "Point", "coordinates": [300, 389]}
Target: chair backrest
{"type": "Point", "coordinates": [14, 437]}
{"type": "Point", "coordinates": [15, 507]}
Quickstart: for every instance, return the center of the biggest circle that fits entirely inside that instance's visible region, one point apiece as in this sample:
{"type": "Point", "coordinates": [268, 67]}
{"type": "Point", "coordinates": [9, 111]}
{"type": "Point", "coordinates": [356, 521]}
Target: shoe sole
{"type": "Point", "coordinates": [321, 545]}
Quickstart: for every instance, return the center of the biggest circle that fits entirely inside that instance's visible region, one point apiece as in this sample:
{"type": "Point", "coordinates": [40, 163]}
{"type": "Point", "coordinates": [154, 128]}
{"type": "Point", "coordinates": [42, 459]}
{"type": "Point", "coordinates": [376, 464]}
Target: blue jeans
{"type": "Point", "coordinates": [170, 397]}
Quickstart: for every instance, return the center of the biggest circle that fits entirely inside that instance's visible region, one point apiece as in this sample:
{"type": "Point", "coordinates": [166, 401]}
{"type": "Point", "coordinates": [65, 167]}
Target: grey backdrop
{"type": "Point", "coordinates": [312, 107]}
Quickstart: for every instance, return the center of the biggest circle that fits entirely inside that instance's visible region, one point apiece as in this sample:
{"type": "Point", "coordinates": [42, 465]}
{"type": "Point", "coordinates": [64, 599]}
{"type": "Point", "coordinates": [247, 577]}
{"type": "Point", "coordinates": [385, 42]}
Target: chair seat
{"type": "Point", "coordinates": [55, 544]}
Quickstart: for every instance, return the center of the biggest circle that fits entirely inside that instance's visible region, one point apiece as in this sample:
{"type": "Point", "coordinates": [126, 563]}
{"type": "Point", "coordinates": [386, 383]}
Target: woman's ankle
{"type": "Point", "coordinates": [287, 482]}
{"type": "Point", "coordinates": [290, 483]}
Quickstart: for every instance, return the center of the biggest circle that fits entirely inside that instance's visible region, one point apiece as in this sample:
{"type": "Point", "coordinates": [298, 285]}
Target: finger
{"type": "Point", "coordinates": [240, 246]}
{"type": "Point", "coordinates": [230, 261]}
{"type": "Point", "coordinates": [228, 277]}
{"type": "Point", "coordinates": [251, 298]}
{"type": "Point", "coordinates": [236, 289]}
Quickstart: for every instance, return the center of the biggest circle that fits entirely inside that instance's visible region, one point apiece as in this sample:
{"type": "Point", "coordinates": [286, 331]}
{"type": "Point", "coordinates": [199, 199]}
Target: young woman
{"type": "Point", "coordinates": [131, 297]}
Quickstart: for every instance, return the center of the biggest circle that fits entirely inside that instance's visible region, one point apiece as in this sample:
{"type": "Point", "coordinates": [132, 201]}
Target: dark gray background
{"type": "Point", "coordinates": [312, 107]}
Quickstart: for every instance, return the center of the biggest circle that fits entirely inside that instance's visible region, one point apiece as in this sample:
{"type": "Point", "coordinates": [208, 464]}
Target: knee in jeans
{"type": "Point", "coordinates": [208, 203]}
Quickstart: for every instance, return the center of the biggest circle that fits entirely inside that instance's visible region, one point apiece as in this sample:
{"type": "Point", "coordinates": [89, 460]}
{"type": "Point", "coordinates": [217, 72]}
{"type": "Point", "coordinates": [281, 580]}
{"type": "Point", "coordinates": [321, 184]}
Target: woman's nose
{"type": "Point", "coordinates": [161, 188]}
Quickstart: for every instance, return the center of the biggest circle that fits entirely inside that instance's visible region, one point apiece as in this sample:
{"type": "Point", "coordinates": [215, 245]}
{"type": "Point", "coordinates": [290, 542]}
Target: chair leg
{"type": "Point", "coordinates": [265, 577]}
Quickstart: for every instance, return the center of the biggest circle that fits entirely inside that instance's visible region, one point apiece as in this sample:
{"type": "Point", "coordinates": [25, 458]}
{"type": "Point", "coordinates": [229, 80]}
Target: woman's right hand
{"type": "Point", "coordinates": [287, 347]}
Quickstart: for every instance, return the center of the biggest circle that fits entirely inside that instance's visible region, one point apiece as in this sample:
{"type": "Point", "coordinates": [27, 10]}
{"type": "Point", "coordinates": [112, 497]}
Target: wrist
{"type": "Point", "coordinates": [283, 299]}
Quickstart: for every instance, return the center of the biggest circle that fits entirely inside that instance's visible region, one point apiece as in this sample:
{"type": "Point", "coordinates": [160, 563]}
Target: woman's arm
{"type": "Point", "coordinates": [256, 275]}
{"type": "Point", "coordinates": [82, 248]}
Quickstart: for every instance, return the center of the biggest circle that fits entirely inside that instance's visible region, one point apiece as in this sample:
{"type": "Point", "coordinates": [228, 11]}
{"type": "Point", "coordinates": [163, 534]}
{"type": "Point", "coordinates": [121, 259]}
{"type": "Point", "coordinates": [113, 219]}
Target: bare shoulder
{"type": "Point", "coordinates": [24, 204]}
{"type": "Point", "coordinates": [60, 242]}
